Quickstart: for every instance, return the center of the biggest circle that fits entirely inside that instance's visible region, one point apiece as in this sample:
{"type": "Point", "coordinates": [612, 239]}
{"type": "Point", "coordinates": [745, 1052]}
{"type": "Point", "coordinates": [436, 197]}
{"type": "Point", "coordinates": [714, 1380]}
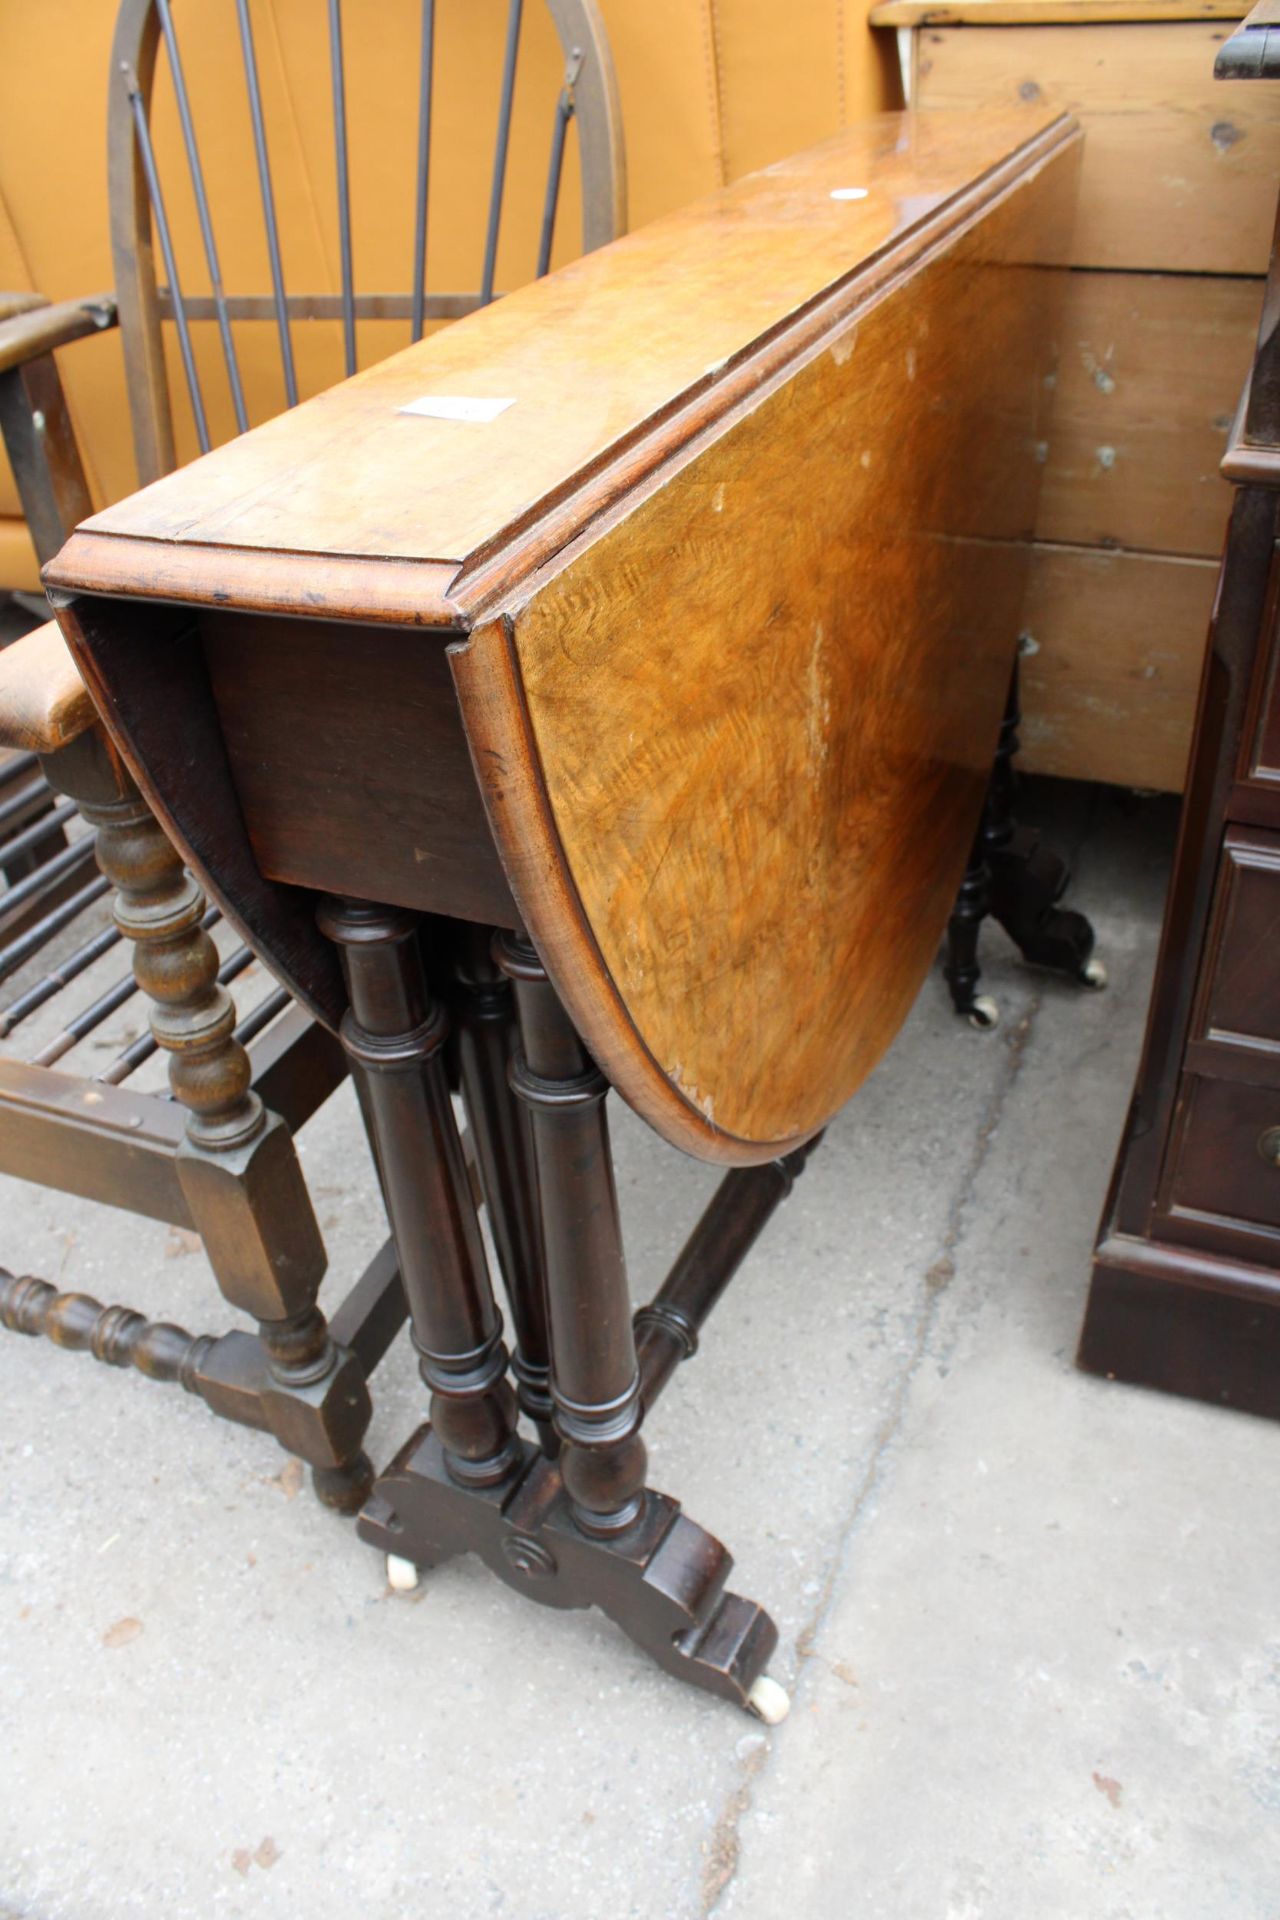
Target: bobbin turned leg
{"type": "Point", "coordinates": [394, 1034]}
{"type": "Point", "coordinates": [1019, 883]}
{"type": "Point", "coordinates": [237, 1165]}
{"type": "Point", "coordinates": [503, 1137]}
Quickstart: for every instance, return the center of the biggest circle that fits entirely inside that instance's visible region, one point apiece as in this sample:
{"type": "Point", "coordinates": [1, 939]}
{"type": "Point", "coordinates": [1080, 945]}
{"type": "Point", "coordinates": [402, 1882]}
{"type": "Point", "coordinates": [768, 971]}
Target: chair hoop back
{"type": "Point", "coordinates": [141, 224]}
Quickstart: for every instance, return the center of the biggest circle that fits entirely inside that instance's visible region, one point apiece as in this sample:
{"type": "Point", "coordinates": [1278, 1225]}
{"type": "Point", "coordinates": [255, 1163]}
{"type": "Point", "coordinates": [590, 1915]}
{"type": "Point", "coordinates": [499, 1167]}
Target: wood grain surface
{"type": "Point", "coordinates": [734, 596]}
{"type": "Point", "coordinates": [44, 704]}
{"type": "Point", "coordinates": [1149, 377]}
{"type": "Point", "coordinates": [764, 702]}
{"type": "Point", "coordinates": [368, 790]}
{"type": "Point", "coordinates": [598, 359]}
{"type": "Point", "coordinates": [1179, 171]}
{"type": "Point", "coordinates": [1110, 692]}
{"type": "Point", "coordinates": [1040, 13]}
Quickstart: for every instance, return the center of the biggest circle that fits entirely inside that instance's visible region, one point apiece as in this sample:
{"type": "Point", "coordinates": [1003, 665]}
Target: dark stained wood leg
{"type": "Point", "coordinates": [394, 1034]}
{"type": "Point", "coordinates": [738, 1212]}
{"type": "Point", "coordinates": [237, 1165]}
{"type": "Point", "coordinates": [581, 1530]}
{"type": "Point", "coordinates": [228, 1371]}
{"type": "Point", "coordinates": [1019, 883]}
{"type": "Point", "coordinates": [595, 1377]}
{"type": "Point", "coordinates": [961, 967]}
{"type": "Point", "coordinates": [503, 1137]}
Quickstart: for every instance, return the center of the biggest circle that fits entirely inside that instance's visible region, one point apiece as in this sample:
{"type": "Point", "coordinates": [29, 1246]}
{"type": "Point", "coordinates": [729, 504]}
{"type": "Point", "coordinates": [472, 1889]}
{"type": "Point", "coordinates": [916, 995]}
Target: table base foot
{"type": "Point", "coordinates": [662, 1581]}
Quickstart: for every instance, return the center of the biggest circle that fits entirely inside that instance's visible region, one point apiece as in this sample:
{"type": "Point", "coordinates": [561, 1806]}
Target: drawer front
{"type": "Point", "coordinates": [1225, 1159]}
{"type": "Point", "coordinates": [1150, 368]}
{"type": "Point", "coordinates": [1179, 171]}
{"type": "Point", "coordinates": [1109, 691]}
{"type": "Point", "coordinates": [1237, 1010]}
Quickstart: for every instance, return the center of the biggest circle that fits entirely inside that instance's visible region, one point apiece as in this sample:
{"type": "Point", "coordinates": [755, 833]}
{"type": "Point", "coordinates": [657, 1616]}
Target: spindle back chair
{"type": "Point", "coordinates": [587, 95]}
{"type": "Point", "coordinates": [221, 1158]}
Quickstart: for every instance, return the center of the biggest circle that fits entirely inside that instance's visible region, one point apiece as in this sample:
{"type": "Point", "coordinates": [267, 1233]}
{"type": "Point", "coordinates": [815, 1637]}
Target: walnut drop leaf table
{"type": "Point", "coordinates": [602, 693]}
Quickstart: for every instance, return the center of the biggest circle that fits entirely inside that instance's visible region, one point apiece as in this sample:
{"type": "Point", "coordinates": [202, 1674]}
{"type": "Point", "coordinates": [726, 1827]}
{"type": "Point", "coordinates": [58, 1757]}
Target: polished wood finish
{"type": "Point", "coordinates": [705, 605]}
{"type": "Point", "coordinates": [44, 704]}
{"type": "Point", "coordinates": [1186, 1280]}
{"type": "Point", "coordinates": [595, 1376]}
{"type": "Point", "coordinates": [230, 1371]}
{"type": "Point", "coordinates": [500, 1126]}
{"type": "Point", "coordinates": [351, 507]}
{"type": "Point", "coordinates": [237, 1163]}
{"type": "Point", "coordinates": [848, 324]}
{"type": "Point", "coordinates": [370, 786]}
{"type": "Point", "coordinates": [235, 1177]}
{"type": "Point", "coordinates": [394, 1033]}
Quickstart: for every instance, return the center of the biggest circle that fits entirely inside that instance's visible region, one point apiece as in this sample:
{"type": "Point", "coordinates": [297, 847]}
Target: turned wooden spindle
{"type": "Point", "coordinates": [595, 1379]}
{"type": "Point", "coordinates": [115, 1336]}
{"type": "Point", "coordinates": [159, 908]}
{"type": "Point", "coordinates": [503, 1138]}
{"type": "Point", "coordinates": [238, 1166]}
{"type": "Point", "coordinates": [737, 1214]}
{"type": "Point", "coordinates": [394, 1033]}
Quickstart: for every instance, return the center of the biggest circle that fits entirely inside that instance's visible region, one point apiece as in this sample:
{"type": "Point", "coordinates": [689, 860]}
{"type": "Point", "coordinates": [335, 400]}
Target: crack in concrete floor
{"type": "Point", "coordinates": [724, 1852]}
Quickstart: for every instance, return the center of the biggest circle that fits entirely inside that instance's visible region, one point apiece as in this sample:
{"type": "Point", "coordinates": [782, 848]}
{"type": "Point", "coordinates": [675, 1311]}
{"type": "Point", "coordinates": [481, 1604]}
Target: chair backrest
{"type": "Point", "coordinates": [282, 45]}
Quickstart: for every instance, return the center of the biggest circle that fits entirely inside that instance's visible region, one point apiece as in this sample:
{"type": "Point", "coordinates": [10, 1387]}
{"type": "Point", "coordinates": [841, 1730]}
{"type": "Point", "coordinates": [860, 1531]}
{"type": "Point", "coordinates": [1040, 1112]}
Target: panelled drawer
{"type": "Point", "coordinates": [1235, 1023]}
{"type": "Point", "coordinates": [1224, 1161]}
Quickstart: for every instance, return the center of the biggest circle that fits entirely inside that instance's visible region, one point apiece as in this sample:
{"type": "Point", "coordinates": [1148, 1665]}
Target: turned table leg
{"type": "Point", "coordinates": [503, 1137]}
{"type": "Point", "coordinates": [582, 1529]}
{"type": "Point", "coordinates": [394, 1033]}
{"type": "Point", "coordinates": [595, 1379]}
{"type": "Point", "coordinates": [1014, 880]}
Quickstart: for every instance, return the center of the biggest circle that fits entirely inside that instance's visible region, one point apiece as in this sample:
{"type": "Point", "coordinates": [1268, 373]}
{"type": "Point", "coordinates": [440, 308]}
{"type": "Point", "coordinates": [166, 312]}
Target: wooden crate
{"type": "Point", "coordinates": [1110, 682]}
{"type": "Point", "coordinates": [1173, 233]}
{"type": "Point", "coordinates": [1179, 172]}
{"type": "Point", "coordinates": [1149, 368]}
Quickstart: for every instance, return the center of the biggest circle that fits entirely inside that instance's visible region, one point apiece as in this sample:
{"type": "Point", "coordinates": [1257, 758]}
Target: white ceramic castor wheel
{"type": "Point", "coordinates": [1093, 974]}
{"type": "Point", "coordinates": [769, 1702]}
{"type": "Point", "coordinates": [984, 1013]}
{"type": "Point", "coordinates": [402, 1575]}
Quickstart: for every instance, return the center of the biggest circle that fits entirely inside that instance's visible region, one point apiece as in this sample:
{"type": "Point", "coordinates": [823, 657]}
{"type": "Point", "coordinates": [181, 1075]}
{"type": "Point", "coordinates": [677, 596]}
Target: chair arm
{"type": "Point", "coordinates": [44, 704]}
{"type": "Point", "coordinates": [25, 336]}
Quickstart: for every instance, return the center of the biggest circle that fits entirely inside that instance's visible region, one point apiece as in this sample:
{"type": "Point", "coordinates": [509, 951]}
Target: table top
{"type": "Point", "coordinates": [730, 594]}
{"type": "Point", "coordinates": [353, 507]}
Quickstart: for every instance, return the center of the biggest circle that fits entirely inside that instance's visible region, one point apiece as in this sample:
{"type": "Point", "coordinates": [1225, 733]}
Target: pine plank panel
{"type": "Point", "coordinates": [1149, 374]}
{"type": "Point", "coordinates": [1179, 172]}
{"type": "Point", "coordinates": [1110, 692]}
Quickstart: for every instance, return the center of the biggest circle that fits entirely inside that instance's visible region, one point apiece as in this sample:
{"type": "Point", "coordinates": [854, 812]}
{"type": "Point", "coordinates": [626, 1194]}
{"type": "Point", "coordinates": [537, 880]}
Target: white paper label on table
{"type": "Point", "coordinates": [457, 406]}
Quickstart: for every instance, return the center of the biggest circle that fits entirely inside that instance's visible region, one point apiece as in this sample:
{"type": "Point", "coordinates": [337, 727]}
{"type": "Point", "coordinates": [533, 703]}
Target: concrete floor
{"type": "Point", "coordinates": [1029, 1618]}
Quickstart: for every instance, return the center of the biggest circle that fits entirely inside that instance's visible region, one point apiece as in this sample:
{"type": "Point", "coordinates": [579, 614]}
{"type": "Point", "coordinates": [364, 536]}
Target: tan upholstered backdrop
{"type": "Point", "coordinates": [710, 89]}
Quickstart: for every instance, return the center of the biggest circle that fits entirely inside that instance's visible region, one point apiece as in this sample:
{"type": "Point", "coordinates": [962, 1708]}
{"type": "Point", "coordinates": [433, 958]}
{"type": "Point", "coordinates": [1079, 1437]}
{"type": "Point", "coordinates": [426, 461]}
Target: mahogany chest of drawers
{"type": "Point", "coordinates": [1186, 1279]}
